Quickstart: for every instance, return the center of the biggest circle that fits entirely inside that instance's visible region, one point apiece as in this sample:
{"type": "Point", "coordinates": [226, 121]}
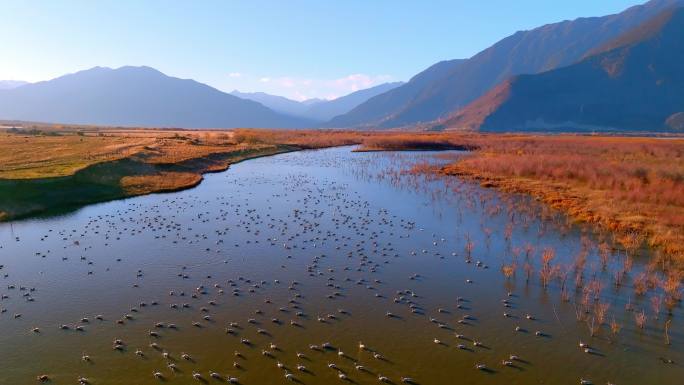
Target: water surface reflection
{"type": "Point", "coordinates": [323, 267]}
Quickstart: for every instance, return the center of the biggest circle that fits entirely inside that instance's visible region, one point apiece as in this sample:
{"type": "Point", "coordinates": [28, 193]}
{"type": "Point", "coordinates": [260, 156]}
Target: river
{"type": "Point", "coordinates": [391, 275]}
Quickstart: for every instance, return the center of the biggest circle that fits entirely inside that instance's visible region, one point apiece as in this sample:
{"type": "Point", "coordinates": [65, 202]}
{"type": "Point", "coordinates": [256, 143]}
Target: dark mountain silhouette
{"type": "Point", "coordinates": [634, 82]}
{"type": "Point", "coordinates": [527, 52]}
{"type": "Point", "coordinates": [316, 109]}
{"type": "Point", "coordinates": [136, 96]}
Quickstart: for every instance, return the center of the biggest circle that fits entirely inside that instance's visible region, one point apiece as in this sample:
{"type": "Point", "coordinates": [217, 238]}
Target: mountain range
{"type": "Point", "coordinates": [143, 96]}
{"type": "Point", "coordinates": [635, 82]}
{"type": "Point", "coordinates": [317, 109]}
{"type": "Point", "coordinates": [445, 88]}
{"type": "Point", "coordinates": [277, 103]}
{"type": "Point", "coordinates": [136, 96]}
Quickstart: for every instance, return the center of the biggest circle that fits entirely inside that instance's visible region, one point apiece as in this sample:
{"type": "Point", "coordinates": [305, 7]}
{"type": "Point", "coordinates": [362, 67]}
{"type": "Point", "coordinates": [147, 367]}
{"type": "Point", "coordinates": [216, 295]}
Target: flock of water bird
{"type": "Point", "coordinates": [312, 255]}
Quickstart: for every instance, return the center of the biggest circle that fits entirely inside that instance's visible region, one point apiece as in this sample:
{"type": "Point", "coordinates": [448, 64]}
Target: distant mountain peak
{"type": "Point", "coordinates": [316, 109]}
{"type": "Point", "coordinates": [136, 96]}
{"type": "Point", "coordinates": [449, 86]}
{"type": "Point", "coordinates": [277, 103]}
{"type": "Point", "coordinates": [635, 82]}
{"type": "Point", "coordinates": [644, 31]}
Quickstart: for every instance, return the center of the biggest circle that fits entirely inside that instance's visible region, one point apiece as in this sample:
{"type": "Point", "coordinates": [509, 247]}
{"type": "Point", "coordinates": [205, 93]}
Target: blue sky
{"type": "Point", "coordinates": [296, 48]}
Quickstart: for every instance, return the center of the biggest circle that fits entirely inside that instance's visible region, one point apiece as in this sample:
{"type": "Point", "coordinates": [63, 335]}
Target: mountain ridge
{"type": "Point", "coordinates": [136, 96]}
{"type": "Point", "coordinates": [632, 83]}
{"type": "Point", "coordinates": [277, 103]}
{"type": "Point", "coordinates": [374, 108]}
{"type": "Point", "coordinates": [537, 50]}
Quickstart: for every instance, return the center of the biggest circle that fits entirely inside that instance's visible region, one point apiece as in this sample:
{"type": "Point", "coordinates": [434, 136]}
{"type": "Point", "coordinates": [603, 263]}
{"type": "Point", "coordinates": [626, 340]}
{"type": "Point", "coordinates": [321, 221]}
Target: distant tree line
{"type": "Point", "coordinates": [32, 131]}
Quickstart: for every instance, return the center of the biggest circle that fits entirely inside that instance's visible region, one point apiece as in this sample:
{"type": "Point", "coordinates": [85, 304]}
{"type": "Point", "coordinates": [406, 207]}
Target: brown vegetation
{"type": "Point", "coordinates": [47, 167]}
{"type": "Point", "coordinates": [163, 181]}
{"type": "Point", "coordinates": [305, 139]}
{"type": "Point", "coordinates": [416, 142]}
{"type": "Point", "coordinates": [26, 157]}
{"type": "Point", "coordinates": [633, 186]}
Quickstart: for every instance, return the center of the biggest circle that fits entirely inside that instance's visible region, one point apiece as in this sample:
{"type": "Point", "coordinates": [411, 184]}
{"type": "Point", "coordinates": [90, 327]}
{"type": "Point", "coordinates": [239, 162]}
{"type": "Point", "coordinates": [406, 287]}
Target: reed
{"type": "Point", "coordinates": [656, 303]}
{"type": "Point", "coordinates": [640, 319]}
{"type": "Point", "coordinates": [601, 309]}
{"type": "Point", "coordinates": [667, 331]}
{"type": "Point", "coordinates": [508, 270]}
{"type": "Point", "coordinates": [615, 327]}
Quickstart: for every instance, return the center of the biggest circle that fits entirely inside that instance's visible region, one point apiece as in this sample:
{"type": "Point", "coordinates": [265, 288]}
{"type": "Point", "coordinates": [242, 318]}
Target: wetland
{"type": "Point", "coordinates": [332, 266]}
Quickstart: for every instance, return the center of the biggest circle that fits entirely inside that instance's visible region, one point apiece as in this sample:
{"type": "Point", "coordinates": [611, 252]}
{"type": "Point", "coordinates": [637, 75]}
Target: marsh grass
{"type": "Point", "coordinates": [631, 186]}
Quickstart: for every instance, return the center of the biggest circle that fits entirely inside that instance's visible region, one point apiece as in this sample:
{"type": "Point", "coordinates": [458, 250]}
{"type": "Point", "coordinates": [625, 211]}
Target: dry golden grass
{"type": "Point", "coordinates": [62, 153]}
{"type": "Point", "coordinates": [401, 141]}
{"type": "Point", "coordinates": [163, 181]}
{"type": "Point", "coordinates": [633, 186]}
{"type": "Point", "coordinates": [368, 140]}
{"type": "Point", "coordinates": [101, 163]}
{"type": "Point", "coordinates": [26, 157]}
{"type": "Point", "coordinates": [303, 138]}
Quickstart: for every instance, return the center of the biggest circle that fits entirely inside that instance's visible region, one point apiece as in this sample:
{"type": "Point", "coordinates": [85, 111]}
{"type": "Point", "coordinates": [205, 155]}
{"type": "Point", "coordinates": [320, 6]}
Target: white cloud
{"type": "Point", "coordinates": [265, 80]}
{"type": "Point", "coordinates": [287, 82]}
{"type": "Point", "coordinates": [235, 75]}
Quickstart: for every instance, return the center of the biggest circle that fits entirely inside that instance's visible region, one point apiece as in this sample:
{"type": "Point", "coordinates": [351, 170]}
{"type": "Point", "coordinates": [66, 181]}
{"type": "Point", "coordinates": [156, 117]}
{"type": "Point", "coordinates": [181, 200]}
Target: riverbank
{"type": "Point", "coordinates": [633, 187]}
{"type": "Point", "coordinates": [57, 169]}
{"type": "Point", "coordinates": [264, 220]}
{"type": "Point", "coordinates": [112, 180]}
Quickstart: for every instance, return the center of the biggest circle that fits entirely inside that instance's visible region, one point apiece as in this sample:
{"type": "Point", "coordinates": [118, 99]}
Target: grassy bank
{"type": "Point", "coordinates": [55, 168]}
{"type": "Point", "coordinates": [418, 142]}
{"type": "Point", "coordinates": [113, 180]}
{"type": "Point", "coordinates": [631, 186]}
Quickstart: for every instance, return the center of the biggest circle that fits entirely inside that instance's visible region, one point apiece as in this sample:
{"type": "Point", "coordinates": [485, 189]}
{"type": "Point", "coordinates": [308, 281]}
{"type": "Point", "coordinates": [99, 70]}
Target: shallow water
{"type": "Point", "coordinates": [326, 232]}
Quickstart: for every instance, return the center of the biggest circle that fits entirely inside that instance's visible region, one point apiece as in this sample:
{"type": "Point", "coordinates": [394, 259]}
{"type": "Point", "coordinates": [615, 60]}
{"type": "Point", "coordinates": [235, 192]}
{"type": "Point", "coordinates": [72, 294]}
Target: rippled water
{"type": "Point", "coordinates": [326, 234]}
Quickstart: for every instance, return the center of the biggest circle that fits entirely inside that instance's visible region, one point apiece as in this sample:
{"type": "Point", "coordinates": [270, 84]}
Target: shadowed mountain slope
{"type": "Point", "coordinates": [526, 52]}
{"type": "Point", "coordinates": [635, 82]}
